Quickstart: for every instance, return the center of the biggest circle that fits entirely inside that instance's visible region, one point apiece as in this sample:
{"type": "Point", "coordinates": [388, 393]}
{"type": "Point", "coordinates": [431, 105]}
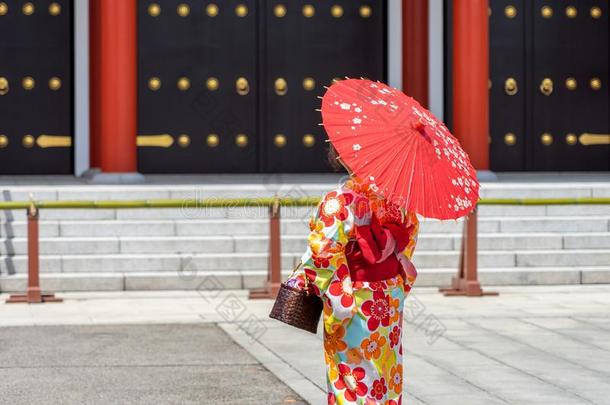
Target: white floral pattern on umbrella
{"type": "Point", "coordinates": [416, 162]}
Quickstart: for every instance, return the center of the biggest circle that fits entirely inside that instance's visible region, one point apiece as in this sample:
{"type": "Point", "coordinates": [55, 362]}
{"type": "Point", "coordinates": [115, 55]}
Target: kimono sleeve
{"type": "Point", "coordinates": [410, 273]}
{"type": "Point", "coordinates": [412, 223]}
{"type": "Point", "coordinates": [326, 242]}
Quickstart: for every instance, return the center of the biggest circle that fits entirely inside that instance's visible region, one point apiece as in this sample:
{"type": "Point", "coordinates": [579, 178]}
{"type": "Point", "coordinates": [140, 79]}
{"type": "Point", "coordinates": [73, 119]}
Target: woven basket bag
{"type": "Point", "coordinates": [298, 307]}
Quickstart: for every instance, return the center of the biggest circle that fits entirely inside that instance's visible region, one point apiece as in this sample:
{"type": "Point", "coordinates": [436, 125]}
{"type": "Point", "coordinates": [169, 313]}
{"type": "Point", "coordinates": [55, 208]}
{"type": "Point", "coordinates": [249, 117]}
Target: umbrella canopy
{"type": "Point", "coordinates": [406, 154]}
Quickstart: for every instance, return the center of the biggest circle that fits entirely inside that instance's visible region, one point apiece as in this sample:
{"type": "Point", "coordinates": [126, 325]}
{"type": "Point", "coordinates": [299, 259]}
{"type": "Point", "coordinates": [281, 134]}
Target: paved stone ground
{"type": "Point", "coordinates": [530, 345]}
{"type": "Point", "coordinates": [132, 364]}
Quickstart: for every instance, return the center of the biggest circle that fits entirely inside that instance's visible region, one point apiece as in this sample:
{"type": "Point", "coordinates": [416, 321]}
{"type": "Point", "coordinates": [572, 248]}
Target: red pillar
{"type": "Point", "coordinates": [470, 79]}
{"type": "Point", "coordinates": [415, 49]}
{"type": "Point", "coordinates": [114, 85]}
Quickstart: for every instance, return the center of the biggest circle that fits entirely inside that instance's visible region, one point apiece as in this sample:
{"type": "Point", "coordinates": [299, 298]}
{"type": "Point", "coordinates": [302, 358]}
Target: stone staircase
{"type": "Point", "coordinates": [144, 249]}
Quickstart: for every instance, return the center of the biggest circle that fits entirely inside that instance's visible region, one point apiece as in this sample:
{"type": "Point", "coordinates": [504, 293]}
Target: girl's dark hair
{"type": "Point", "coordinates": [332, 158]}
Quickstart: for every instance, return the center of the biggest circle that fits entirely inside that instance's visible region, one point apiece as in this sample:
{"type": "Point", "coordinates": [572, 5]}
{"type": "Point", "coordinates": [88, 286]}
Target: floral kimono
{"type": "Point", "coordinates": [362, 318]}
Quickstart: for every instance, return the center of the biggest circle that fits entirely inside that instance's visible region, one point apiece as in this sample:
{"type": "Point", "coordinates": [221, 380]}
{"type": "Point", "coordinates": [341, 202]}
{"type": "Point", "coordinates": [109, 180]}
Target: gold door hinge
{"type": "Point", "coordinates": [155, 141]}
{"type": "Point", "coordinates": [54, 141]}
{"type": "Point", "coordinates": [588, 139]}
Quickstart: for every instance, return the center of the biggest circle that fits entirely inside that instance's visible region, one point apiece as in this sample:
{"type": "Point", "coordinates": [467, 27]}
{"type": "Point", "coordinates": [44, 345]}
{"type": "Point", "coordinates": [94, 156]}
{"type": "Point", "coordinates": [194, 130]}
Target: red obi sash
{"type": "Point", "coordinates": [370, 257]}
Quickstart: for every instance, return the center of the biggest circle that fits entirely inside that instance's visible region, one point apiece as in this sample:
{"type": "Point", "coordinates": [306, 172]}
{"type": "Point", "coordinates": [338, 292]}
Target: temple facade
{"type": "Point", "coordinates": [232, 86]}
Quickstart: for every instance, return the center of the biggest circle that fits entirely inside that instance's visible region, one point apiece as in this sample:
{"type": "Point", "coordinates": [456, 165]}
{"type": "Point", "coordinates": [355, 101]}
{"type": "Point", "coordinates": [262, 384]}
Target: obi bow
{"type": "Point", "coordinates": [378, 241]}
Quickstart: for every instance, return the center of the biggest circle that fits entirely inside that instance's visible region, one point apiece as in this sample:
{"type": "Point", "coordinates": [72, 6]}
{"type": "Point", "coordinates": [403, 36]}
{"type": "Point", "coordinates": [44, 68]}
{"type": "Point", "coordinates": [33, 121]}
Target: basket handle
{"type": "Point", "coordinates": [305, 278]}
{"type": "Point", "coordinates": [294, 271]}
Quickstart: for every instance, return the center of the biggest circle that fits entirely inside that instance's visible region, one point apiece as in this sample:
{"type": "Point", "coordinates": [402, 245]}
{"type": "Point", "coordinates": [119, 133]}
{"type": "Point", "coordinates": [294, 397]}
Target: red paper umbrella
{"type": "Point", "coordinates": [406, 154]}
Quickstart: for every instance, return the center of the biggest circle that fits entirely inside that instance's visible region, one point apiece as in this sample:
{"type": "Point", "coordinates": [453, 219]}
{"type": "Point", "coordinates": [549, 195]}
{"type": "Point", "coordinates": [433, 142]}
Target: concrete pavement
{"type": "Point", "coordinates": [530, 345]}
{"type": "Point", "coordinates": [132, 364]}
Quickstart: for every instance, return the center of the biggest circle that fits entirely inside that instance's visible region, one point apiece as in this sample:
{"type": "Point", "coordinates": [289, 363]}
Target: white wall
{"type": "Point", "coordinates": [436, 63]}
{"type": "Point", "coordinates": [395, 43]}
{"type": "Point", "coordinates": [81, 86]}
{"type": "Point", "coordinates": [435, 52]}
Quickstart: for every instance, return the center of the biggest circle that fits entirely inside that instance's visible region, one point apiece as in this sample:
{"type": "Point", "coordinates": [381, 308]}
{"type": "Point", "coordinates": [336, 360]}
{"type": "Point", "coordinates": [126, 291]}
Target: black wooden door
{"type": "Point", "coordinates": [570, 86]}
{"type": "Point", "coordinates": [35, 87]}
{"type": "Point", "coordinates": [307, 45]}
{"type": "Point", "coordinates": [507, 84]}
{"type": "Point", "coordinates": [549, 85]}
{"type": "Point", "coordinates": [232, 85]}
{"type": "Point", "coordinates": [197, 86]}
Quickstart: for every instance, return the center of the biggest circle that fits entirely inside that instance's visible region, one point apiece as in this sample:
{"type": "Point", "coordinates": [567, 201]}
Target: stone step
{"type": "Point", "coordinates": [289, 226]}
{"type": "Point", "coordinates": [522, 224]}
{"type": "Point", "coordinates": [143, 227]}
{"type": "Point", "coordinates": [204, 262]}
{"type": "Point", "coordinates": [168, 191]}
{"type": "Point", "coordinates": [552, 224]}
{"type": "Point", "coordinates": [290, 243]}
{"type": "Point", "coordinates": [554, 186]}
{"type": "Point", "coordinates": [215, 280]}
{"type": "Point", "coordinates": [520, 276]}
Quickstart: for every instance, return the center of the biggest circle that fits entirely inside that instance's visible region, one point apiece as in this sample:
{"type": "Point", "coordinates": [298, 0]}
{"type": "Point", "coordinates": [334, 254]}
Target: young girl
{"type": "Point", "coordinates": [358, 262]}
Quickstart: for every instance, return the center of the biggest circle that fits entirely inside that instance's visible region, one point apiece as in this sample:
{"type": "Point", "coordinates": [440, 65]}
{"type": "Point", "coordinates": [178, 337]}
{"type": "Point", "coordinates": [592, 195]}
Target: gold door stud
{"type": "Point", "coordinates": [55, 83]}
{"type": "Point", "coordinates": [184, 83]}
{"type": "Point", "coordinates": [546, 12]}
{"type": "Point", "coordinates": [211, 10]}
{"type": "Point", "coordinates": [308, 11]}
{"type": "Point", "coordinates": [595, 83]}
{"type": "Point", "coordinates": [241, 140]}
{"type": "Point", "coordinates": [571, 12]}
{"type": "Point", "coordinates": [184, 140]}
{"type": "Point", "coordinates": [510, 139]}
{"type": "Point", "coordinates": [212, 140]}
{"type": "Point", "coordinates": [28, 141]}
{"type": "Point", "coordinates": [546, 139]}
{"type": "Point", "coordinates": [212, 83]}
{"type": "Point", "coordinates": [279, 10]}
{"type": "Point", "coordinates": [242, 86]}
{"type": "Point", "coordinates": [28, 83]}
{"type": "Point", "coordinates": [366, 11]}
{"type": "Point", "coordinates": [154, 83]}
{"type": "Point", "coordinates": [510, 11]}
{"type": "Point", "coordinates": [595, 12]}
{"type": "Point", "coordinates": [183, 10]}
{"type": "Point", "coordinates": [54, 9]}
{"type": "Point", "coordinates": [241, 10]}
{"type": "Point", "coordinates": [154, 10]}
{"type": "Point", "coordinates": [309, 83]}
{"type": "Point", "coordinates": [281, 86]}
{"type": "Point", "coordinates": [279, 140]}
{"type": "Point", "coordinates": [309, 140]}
{"type": "Point", "coordinates": [336, 11]}
{"type": "Point", "coordinates": [28, 8]}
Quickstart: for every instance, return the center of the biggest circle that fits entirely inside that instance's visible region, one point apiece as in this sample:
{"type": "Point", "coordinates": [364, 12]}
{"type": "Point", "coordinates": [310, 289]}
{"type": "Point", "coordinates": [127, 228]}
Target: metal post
{"type": "Point", "coordinates": [467, 281]}
{"type": "Point", "coordinates": [274, 268]}
{"type": "Point", "coordinates": [33, 291]}
{"type": "Point", "coordinates": [33, 295]}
